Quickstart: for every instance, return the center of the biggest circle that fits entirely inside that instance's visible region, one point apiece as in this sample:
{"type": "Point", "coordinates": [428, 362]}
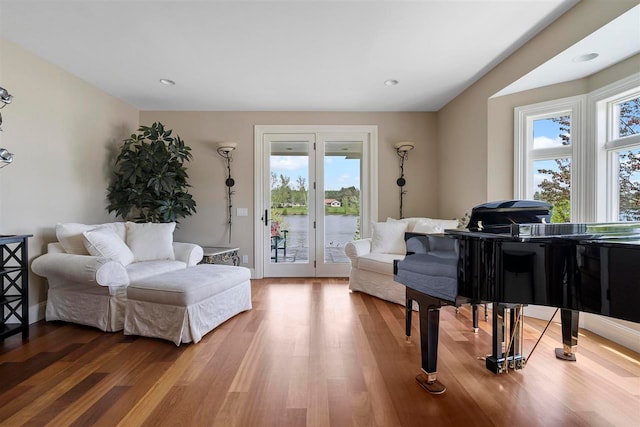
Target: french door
{"type": "Point", "coordinates": [314, 197]}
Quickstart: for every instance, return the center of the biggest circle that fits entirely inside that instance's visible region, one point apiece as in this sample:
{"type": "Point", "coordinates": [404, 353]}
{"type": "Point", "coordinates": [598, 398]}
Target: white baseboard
{"type": "Point", "coordinates": [626, 334]}
{"type": "Point", "coordinates": [36, 312]}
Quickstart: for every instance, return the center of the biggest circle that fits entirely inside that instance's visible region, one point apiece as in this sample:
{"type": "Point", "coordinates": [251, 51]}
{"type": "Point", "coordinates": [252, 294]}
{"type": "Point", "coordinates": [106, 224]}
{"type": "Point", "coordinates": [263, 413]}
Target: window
{"type": "Point", "coordinates": [586, 176]}
{"type": "Point", "coordinates": [545, 135]}
{"type": "Point", "coordinates": [617, 119]}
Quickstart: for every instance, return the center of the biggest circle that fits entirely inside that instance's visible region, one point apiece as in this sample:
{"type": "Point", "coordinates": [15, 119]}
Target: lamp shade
{"type": "Point", "coordinates": [404, 146]}
{"type": "Point", "coordinates": [5, 156]}
{"type": "Point", "coordinates": [227, 147]}
{"type": "Point", "coordinates": [5, 97]}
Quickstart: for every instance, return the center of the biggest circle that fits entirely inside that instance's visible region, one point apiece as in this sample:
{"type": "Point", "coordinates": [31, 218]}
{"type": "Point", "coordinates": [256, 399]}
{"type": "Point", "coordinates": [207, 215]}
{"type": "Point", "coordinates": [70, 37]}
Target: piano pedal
{"type": "Point", "coordinates": [562, 355]}
{"type": "Point", "coordinates": [433, 387]}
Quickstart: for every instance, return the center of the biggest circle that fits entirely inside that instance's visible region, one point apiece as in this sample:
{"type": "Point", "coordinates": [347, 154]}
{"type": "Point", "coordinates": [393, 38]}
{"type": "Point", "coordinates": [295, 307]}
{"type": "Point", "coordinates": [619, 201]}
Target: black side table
{"type": "Point", "coordinates": [14, 277]}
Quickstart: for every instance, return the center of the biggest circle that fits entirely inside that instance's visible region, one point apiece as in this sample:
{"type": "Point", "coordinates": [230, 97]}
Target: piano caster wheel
{"type": "Point", "coordinates": [433, 387]}
{"type": "Point", "coordinates": [408, 338]}
{"type": "Point", "coordinates": [475, 330]}
{"type": "Point", "coordinates": [560, 354]}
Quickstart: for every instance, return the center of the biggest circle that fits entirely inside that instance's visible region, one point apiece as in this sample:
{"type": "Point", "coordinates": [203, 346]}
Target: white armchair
{"type": "Point", "coordinates": [92, 289]}
{"type": "Point", "coordinates": [372, 258]}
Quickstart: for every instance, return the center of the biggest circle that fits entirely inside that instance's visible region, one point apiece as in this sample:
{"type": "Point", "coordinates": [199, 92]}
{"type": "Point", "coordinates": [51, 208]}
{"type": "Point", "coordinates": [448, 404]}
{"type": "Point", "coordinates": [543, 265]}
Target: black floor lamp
{"type": "Point", "coordinates": [402, 149]}
{"type": "Point", "coordinates": [224, 150]}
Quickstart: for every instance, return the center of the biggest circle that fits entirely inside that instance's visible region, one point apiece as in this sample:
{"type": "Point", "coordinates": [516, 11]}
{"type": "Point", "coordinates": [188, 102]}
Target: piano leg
{"type": "Point", "coordinates": [429, 310]}
{"type": "Point", "coordinates": [407, 320]}
{"type": "Point", "coordinates": [569, 319]}
{"type": "Point", "coordinates": [474, 311]}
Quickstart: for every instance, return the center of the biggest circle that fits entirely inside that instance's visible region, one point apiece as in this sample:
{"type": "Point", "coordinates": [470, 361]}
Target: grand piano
{"type": "Point", "coordinates": [511, 256]}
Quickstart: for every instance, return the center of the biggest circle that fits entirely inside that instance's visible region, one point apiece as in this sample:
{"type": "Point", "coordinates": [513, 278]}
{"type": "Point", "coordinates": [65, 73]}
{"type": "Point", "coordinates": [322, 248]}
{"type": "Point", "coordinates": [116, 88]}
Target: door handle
{"type": "Point", "coordinates": [266, 217]}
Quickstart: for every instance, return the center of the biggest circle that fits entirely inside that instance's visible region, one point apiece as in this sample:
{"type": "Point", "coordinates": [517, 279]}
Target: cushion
{"type": "Point", "coordinates": [388, 237]}
{"type": "Point", "coordinates": [430, 226]}
{"type": "Point", "coordinates": [379, 263]}
{"type": "Point", "coordinates": [188, 286]}
{"type": "Point", "coordinates": [104, 242]}
{"type": "Point", "coordinates": [411, 222]}
{"type": "Point", "coordinates": [143, 269]}
{"type": "Point", "coordinates": [70, 235]}
{"type": "Point", "coordinates": [151, 241]}
{"type": "Point", "coordinates": [417, 245]}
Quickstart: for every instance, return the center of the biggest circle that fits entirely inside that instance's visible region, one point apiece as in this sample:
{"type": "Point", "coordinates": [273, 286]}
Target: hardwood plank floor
{"type": "Point", "coordinates": [310, 353]}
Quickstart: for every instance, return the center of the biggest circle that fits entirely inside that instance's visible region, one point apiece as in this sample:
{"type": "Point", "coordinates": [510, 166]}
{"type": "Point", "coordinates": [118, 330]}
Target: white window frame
{"type": "Point", "coordinates": [606, 145]}
{"type": "Point", "coordinates": [525, 154]}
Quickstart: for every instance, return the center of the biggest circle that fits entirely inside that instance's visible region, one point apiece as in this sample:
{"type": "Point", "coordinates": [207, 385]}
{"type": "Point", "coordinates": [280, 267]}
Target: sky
{"type": "Point", "coordinates": [339, 172]}
{"type": "Point", "coordinates": [546, 134]}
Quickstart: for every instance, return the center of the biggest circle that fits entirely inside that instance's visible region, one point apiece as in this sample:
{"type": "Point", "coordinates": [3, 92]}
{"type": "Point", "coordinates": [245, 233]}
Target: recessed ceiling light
{"type": "Point", "coordinates": [391, 82]}
{"type": "Point", "coordinates": [586, 57]}
{"type": "Point", "coordinates": [167, 82]}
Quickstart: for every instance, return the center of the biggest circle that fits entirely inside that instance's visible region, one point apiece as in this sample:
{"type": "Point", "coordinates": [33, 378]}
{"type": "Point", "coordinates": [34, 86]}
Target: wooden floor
{"type": "Point", "coordinates": [309, 353]}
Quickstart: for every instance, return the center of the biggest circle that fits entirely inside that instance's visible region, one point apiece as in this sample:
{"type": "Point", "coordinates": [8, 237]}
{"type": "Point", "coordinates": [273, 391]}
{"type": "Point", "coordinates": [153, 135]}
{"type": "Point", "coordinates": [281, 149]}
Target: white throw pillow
{"type": "Point", "coordinates": [388, 237]}
{"type": "Point", "coordinates": [151, 241]}
{"type": "Point", "coordinates": [70, 235]}
{"type": "Point", "coordinates": [105, 242]}
{"type": "Point", "coordinates": [411, 221]}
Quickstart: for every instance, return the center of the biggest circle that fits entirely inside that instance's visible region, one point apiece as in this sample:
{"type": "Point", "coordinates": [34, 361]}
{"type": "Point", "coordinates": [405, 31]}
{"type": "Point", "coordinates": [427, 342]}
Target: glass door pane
{"type": "Point", "coordinates": [341, 198]}
{"type": "Point", "coordinates": [289, 233]}
{"type": "Point", "coordinates": [339, 202]}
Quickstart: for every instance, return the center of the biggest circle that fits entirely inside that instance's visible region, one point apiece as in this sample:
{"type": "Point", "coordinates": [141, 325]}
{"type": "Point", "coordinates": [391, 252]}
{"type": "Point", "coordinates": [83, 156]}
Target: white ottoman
{"type": "Point", "coordinates": [183, 305]}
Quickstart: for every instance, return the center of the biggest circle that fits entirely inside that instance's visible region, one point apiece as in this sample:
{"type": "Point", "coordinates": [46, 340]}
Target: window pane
{"type": "Point", "coordinates": [628, 114]}
{"type": "Point", "coordinates": [629, 185]}
{"type": "Point", "coordinates": [552, 132]}
{"type": "Point", "coordinates": [552, 183]}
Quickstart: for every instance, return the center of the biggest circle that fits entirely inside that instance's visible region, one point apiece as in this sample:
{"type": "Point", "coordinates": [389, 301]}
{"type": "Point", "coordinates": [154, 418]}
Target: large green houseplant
{"type": "Point", "coordinates": [150, 178]}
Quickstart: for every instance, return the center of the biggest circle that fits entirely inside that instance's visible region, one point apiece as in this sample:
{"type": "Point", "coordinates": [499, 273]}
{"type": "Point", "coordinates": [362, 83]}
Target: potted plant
{"type": "Point", "coordinates": [150, 178]}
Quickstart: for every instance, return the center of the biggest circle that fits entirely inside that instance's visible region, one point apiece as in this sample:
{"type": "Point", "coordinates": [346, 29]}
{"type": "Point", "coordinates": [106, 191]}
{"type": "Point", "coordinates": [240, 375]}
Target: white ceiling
{"type": "Point", "coordinates": [618, 40]}
{"type": "Point", "coordinates": [280, 56]}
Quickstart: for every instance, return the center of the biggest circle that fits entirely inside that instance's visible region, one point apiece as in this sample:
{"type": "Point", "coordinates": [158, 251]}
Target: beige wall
{"type": "Point", "coordinates": [62, 132]}
{"type": "Point", "coordinates": [203, 130]}
{"type": "Point", "coordinates": [472, 171]}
